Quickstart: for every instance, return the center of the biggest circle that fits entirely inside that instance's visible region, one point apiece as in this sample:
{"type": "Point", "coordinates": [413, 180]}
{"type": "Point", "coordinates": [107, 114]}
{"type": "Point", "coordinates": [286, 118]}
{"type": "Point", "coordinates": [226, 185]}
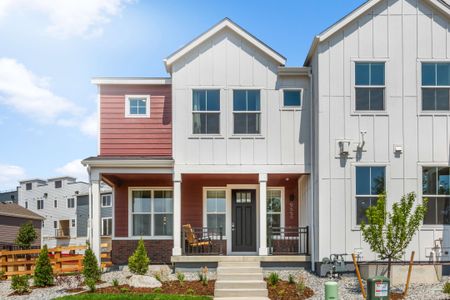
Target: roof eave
{"type": "Point", "coordinates": [131, 80]}
{"type": "Point", "coordinates": [128, 163]}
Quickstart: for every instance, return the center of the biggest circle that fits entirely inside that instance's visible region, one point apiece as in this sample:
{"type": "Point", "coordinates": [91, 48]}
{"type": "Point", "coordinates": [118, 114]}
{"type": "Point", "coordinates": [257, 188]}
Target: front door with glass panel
{"type": "Point", "coordinates": [244, 221]}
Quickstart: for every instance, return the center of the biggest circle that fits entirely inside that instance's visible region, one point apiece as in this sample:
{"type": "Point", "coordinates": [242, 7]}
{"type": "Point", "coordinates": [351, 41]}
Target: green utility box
{"type": "Point", "coordinates": [331, 290]}
{"type": "Point", "coordinates": [378, 288]}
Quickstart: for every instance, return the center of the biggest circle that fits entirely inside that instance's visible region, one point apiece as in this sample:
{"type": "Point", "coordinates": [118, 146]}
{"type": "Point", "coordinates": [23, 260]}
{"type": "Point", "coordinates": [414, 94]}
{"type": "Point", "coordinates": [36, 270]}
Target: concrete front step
{"type": "Point", "coordinates": [240, 264]}
{"type": "Point", "coordinates": [240, 292]}
{"type": "Point", "coordinates": [240, 276]}
{"type": "Point", "coordinates": [236, 270]}
{"type": "Point", "coordinates": [240, 284]}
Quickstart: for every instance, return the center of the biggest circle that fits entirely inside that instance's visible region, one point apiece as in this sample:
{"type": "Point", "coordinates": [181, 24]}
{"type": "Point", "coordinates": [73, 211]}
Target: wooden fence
{"type": "Point", "coordinates": [63, 260]}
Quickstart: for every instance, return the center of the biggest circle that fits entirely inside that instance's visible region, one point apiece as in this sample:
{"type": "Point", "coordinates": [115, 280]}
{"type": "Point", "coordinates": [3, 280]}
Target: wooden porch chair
{"type": "Point", "coordinates": [193, 242]}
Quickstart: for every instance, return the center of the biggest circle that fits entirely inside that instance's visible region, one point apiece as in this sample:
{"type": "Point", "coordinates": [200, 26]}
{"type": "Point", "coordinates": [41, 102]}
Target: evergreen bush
{"type": "Point", "coordinates": [138, 262]}
{"type": "Point", "coordinates": [43, 273]}
{"type": "Point", "coordinates": [91, 269]}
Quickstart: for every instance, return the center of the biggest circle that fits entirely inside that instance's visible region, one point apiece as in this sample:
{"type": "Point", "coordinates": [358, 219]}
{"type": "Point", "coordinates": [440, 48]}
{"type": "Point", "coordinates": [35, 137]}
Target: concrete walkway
{"type": "Point", "coordinates": [237, 280]}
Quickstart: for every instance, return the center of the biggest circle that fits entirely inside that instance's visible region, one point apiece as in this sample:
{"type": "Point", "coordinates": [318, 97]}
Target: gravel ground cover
{"type": "Point", "coordinates": [349, 286]}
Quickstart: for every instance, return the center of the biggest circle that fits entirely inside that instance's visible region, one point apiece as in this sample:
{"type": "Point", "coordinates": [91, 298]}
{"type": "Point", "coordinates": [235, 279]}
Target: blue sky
{"type": "Point", "coordinates": [50, 49]}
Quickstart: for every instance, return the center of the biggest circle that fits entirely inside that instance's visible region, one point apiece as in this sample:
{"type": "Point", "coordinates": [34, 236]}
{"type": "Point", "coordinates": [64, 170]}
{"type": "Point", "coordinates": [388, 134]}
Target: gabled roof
{"type": "Point", "coordinates": [17, 211]}
{"type": "Point", "coordinates": [440, 5]}
{"type": "Point", "coordinates": [225, 23]}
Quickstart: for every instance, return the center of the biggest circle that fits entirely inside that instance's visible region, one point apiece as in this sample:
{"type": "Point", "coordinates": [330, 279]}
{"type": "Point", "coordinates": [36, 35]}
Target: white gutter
{"type": "Point", "coordinates": [311, 179]}
{"type": "Point", "coordinates": [136, 163]}
{"type": "Point", "coordinates": [131, 80]}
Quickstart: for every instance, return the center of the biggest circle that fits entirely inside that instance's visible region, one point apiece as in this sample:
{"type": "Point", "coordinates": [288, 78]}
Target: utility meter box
{"type": "Point", "coordinates": [378, 288]}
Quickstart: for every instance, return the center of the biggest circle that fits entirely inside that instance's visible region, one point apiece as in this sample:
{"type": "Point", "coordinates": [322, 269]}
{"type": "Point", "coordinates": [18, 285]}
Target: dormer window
{"type": "Point", "coordinates": [58, 184]}
{"type": "Point", "coordinates": [137, 106]}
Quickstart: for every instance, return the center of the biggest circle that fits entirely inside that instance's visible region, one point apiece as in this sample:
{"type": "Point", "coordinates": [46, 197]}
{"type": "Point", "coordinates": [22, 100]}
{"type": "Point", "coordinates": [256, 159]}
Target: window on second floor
{"type": "Point", "coordinates": [435, 86]}
{"type": "Point", "coordinates": [247, 111]}
{"type": "Point", "coordinates": [70, 202]}
{"type": "Point", "coordinates": [137, 106]}
{"type": "Point", "coordinates": [369, 86]}
{"type": "Point", "coordinates": [292, 98]}
{"type": "Point", "coordinates": [40, 204]}
{"type": "Point", "coordinates": [28, 186]}
{"type": "Point", "coordinates": [370, 182]}
{"type": "Point", "coordinates": [106, 200]}
{"type": "Point", "coordinates": [55, 203]}
{"type": "Point", "coordinates": [58, 184]}
{"type": "Point", "coordinates": [206, 111]}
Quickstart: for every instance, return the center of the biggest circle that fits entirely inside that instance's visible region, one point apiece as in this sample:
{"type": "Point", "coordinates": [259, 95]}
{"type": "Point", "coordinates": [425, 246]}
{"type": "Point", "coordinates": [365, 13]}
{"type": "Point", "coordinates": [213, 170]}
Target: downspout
{"type": "Point", "coordinates": [311, 180]}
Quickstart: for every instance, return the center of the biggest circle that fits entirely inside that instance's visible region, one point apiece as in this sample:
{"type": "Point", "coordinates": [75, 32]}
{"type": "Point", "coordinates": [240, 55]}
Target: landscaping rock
{"type": "Point", "coordinates": [144, 281]}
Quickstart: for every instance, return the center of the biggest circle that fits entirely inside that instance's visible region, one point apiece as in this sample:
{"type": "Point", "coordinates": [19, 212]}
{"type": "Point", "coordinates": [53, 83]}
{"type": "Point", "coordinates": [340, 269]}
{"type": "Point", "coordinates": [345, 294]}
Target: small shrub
{"type": "Point", "coordinates": [203, 275]}
{"type": "Point", "coordinates": [300, 285]}
{"type": "Point", "coordinates": [190, 292]}
{"type": "Point", "coordinates": [138, 262]}
{"type": "Point", "coordinates": [124, 290]}
{"type": "Point", "coordinates": [181, 277]}
{"type": "Point", "coordinates": [157, 290]}
{"type": "Point", "coordinates": [291, 279]}
{"type": "Point", "coordinates": [43, 273]}
{"type": "Point", "coordinates": [20, 284]}
{"type": "Point", "coordinates": [273, 278]}
{"type": "Point", "coordinates": [281, 292]}
{"type": "Point", "coordinates": [446, 288]}
{"type": "Point", "coordinates": [91, 269]}
{"type": "Point", "coordinates": [90, 282]}
{"type": "Point", "coordinates": [115, 283]}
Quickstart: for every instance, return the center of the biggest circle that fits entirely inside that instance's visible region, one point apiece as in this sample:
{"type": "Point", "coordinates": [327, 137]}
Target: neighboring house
{"type": "Point", "coordinates": [12, 216]}
{"type": "Point", "coordinates": [236, 140]}
{"type": "Point", "coordinates": [9, 196]}
{"type": "Point", "coordinates": [106, 215]}
{"type": "Point", "coordinates": [55, 200]}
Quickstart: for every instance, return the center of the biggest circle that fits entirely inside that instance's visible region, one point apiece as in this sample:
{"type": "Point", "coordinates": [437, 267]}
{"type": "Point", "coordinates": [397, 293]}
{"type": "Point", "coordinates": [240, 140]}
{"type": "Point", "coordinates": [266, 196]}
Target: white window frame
{"type": "Point", "coordinates": [37, 204]}
{"type": "Point", "coordinates": [355, 226]}
{"type": "Point", "coordinates": [282, 199]}
{"type": "Point", "coordinates": [110, 200]}
{"type": "Point", "coordinates": [421, 87]}
{"type": "Point", "coordinates": [55, 203]}
{"type": "Point", "coordinates": [130, 213]}
{"type": "Point", "coordinates": [103, 228]}
{"type": "Point", "coordinates": [127, 106]}
{"type": "Point", "coordinates": [297, 107]}
{"type": "Point", "coordinates": [73, 223]}
{"type": "Point", "coordinates": [421, 195]}
{"type": "Point", "coordinates": [219, 112]}
{"type": "Point", "coordinates": [67, 202]}
{"type": "Point", "coordinates": [205, 211]}
{"type": "Point", "coordinates": [233, 112]}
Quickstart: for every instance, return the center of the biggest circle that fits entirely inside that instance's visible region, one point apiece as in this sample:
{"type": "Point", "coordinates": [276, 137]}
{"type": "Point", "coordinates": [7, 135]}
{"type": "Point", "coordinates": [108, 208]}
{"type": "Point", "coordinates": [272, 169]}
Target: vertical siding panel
{"type": "Point", "coordinates": [395, 7]}
{"type": "Point", "coordinates": [424, 36]}
{"type": "Point", "coordinates": [425, 135]}
{"type": "Point", "coordinates": [234, 151]}
{"type": "Point", "coordinates": [336, 65]}
{"type": "Point", "coordinates": [410, 55]}
{"type": "Point", "coordinates": [365, 36]}
{"type": "Point", "coordinates": [440, 138]}
{"type": "Point", "coordinates": [410, 137]}
{"type": "Point", "coordinates": [206, 154]}
{"type": "Point", "coordinates": [366, 124]}
{"type": "Point", "coordinates": [394, 69]}
{"type": "Point", "coordinates": [247, 151]}
{"type": "Point", "coordinates": [381, 145]}
{"type": "Point", "coordinates": [409, 7]}
{"type": "Point", "coordinates": [220, 60]}
{"type": "Point", "coordinates": [246, 64]}
{"type": "Point", "coordinates": [206, 63]}
{"type": "Point", "coordinates": [380, 32]}
{"type": "Point", "coordinates": [439, 36]}
{"type": "Point", "coordinates": [233, 65]}
{"type": "Point", "coordinates": [287, 143]}
{"type": "Point", "coordinates": [220, 151]}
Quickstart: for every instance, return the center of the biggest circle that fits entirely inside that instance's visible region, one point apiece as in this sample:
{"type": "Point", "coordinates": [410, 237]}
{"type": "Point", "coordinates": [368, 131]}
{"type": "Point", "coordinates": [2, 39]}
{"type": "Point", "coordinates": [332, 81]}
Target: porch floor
{"type": "Point", "coordinates": [238, 258]}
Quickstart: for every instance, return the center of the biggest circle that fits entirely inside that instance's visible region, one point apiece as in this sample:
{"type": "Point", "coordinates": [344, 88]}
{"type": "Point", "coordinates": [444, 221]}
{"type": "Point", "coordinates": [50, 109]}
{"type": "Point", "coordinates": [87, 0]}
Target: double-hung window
{"type": "Point", "coordinates": [70, 202]}
{"type": "Point", "coordinates": [370, 182]}
{"type": "Point", "coordinates": [206, 111]}
{"type": "Point", "coordinates": [40, 204]}
{"type": "Point", "coordinates": [369, 86]}
{"type": "Point", "coordinates": [216, 210]}
{"type": "Point", "coordinates": [152, 212]}
{"type": "Point", "coordinates": [274, 208]}
{"type": "Point", "coordinates": [106, 200]}
{"type": "Point", "coordinates": [435, 86]}
{"type": "Point", "coordinates": [436, 187]}
{"type": "Point", "coordinates": [137, 106]}
{"type": "Point", "coordinates": [106, 226]}
{"type": "Point", "coordinates": [247, 111]}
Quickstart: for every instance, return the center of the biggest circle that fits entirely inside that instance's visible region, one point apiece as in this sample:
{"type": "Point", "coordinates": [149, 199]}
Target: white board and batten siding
{"type": "Point", "coordinates": [402, 33]}
{"type": "Point", "coordinates": [227, 62]}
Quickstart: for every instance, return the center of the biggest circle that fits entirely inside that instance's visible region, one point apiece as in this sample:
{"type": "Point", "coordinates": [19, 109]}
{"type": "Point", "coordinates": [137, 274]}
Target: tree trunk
{"type": "Point", "coordinates": [389, 268]}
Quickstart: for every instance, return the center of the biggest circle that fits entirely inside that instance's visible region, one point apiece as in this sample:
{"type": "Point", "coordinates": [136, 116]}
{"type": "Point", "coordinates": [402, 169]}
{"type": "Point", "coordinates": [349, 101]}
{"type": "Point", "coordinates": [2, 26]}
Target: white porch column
{"type": "Point", "coordinates": [176, 214]}
{"type": "Point", "coordinates": [95, 219]}
{"type": "Point", "coordinates": [263, 214]}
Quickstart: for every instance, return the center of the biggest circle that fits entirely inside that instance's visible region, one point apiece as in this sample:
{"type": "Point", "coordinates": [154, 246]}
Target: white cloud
{"type": "Point", "coordinates": [10, 176]}
{"type": "Point", "coordinates": [31, 95]}
{"type": "Point", "coordinates": [75, 169]}
{"type": "Point", "coordinates": [69, 17]}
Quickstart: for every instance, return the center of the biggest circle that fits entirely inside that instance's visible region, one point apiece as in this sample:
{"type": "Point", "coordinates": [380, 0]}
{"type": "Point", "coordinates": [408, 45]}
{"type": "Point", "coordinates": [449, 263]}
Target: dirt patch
{"type": "Point", "coordinates": [284, 290]}
{"type": "Point", "coordinates": [19, 294]}
{"type": "Point", "coordinates": [397, 296]}
{"type": "Point", "coordinates": [169, 287]}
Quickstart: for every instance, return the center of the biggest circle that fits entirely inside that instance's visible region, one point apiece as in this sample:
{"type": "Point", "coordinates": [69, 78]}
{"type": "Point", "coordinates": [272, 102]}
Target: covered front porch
{"type": "Point", "coordinates": [201, 217]}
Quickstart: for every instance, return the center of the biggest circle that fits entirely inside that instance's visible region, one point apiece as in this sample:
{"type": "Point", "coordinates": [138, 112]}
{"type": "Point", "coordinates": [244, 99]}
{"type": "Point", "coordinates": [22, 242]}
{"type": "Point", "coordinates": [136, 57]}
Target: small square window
{"type": "Point", "coordinates": [58, 184]}
{"type": "Point", "coordinates": [137, 106]}
{"type": "Point", "coordinates": [28, 186]}
{"type": "Point", "coordinates": [106, 200]}
{"type": "Point", "coordinates": [292, 98]}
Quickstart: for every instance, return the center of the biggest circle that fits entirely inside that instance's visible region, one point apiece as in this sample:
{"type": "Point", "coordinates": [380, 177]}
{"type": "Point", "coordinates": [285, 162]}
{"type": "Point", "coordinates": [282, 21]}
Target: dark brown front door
{"type": "Point", "coordinates": [244, 221]}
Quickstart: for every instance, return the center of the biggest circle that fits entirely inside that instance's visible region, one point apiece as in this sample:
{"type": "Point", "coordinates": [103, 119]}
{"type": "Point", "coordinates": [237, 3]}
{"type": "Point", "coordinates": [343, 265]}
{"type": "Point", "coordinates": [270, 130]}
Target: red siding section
{"type": "Point", "coordinates": [120, 136]}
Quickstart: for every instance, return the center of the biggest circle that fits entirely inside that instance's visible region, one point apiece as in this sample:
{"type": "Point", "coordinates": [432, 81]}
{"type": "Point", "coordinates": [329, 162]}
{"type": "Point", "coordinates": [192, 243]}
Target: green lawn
{"type": "Point", "coordinates": [87, 296]}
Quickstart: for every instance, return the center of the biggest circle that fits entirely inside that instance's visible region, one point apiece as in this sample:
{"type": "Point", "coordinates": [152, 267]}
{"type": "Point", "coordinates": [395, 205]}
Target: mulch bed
{"type": "Point", "coordinates": [284, 290]}
{"type": "Point", "coordinates": [397, 296]}
{"type": "Point", "coordinates": [169, 287]}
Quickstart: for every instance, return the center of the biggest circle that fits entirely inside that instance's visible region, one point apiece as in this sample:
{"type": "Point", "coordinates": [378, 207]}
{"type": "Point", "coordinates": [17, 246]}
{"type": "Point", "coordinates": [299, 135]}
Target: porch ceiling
{"type": "Point", "coordinates": [137, 179]}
